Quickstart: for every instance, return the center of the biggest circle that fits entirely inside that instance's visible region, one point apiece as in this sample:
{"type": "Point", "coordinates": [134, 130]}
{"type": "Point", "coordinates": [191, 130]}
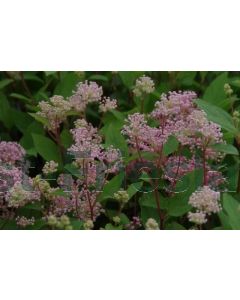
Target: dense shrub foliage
{"type": "Point", "coordinates": [119, 150]}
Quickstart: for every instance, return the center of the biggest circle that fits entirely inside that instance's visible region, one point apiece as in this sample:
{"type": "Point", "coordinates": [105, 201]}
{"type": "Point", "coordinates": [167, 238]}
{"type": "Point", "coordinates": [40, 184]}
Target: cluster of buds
{"type": "Point", "coordinates": [144, 85]}
{"type": "Point", "coordinates": [44, 187]}
{"type": "Point", "coordinates": [88, 225]}
{"type": "Point", "coordinates": [228, 90]}
{"type": "Point", "coordinates": [62, 222]}
{"type": "Point", "coordinates": [121, 196]}
{"type": "Point", "coordinates": [50, 167]}
{"type": "Point", "coordinates": [24, 222]}
{"type": "Point", "coordinates": [151, 224]}
{"type": "Point", "coordinates": [18, 196]}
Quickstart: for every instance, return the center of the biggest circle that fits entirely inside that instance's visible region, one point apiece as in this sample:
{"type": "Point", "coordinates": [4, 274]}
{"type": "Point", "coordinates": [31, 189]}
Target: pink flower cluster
{"type": "Point", "coordinates": [11, 152]}
{"type": "Point", "coordinates": [54, 112]}
{"type": "Point", "coordinates": [15, 186]}
{"type": "Point", "coordinates": [175, 167]}
{"type": "Point", "coordinates": [84, 94]}
{"type": "Point", "coordinates": [94, 163]}
{"type": "Point", "coordinates": [176, 115]}
{"type": "Point", "coordinates": [89, 92]}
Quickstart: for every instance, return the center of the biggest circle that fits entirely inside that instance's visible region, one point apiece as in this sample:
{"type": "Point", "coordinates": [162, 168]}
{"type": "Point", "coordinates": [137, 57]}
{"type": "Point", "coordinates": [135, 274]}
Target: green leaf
{"type": "Point", "coordinates": [66, 84]}
{"type": "Point", "coordinates": [40, 119]}
{"type": "Point", "coordinates": [124, 219]}
{"type": "Point", "coordinates": [72, 169]}
{"type": "Point", "coordinates": [98, 77]}
{"type": "Point", "coordinates": [217, 115]}
{"type": "Point", "coordinates": [226, 148]}
{"type": "Point", "coordinates": [46, 148]}
{"type": "Point", "coordinates": [27, 141]}
{"type": "Point", "coordinates": [232, 209]}
{"type": "Point", "coordinates": [129, 78]}
{"type": "Point", "coordinates": [110, 226]}
{"type": "Point", "coordinates": [178, 205]}
{"type": "Point", "coordinates": [148, 206]}
{"type": "Point", "coordinates": [186, 77]}
{"type": "Point", "coordinates": [66, 138]}
{"type": "Point", "coordinates": [21, 120]}
{"type": "Point", "coordinates": [5, 111]}
{"type": "Point", "coordinates": [20, 97]}
{"type": "Point", "coordinates": [32, 77]}
{"type": "Point", "coordinates": [5, 82]}
{"type": "Point", "coordinates": [76, 224]}
{"type": "Point", "coordinates": [113, 137]}
{"type": "Point", "coordinates": [112, 187]}
{"type": "Point", "coordinates": [215, 91]}
{"type": "Point", "coordinates": [134, 188]}
{"type": "Point", "coordinates": [170, 146]}
{"type": "Point", "coordinates": [48, 73]}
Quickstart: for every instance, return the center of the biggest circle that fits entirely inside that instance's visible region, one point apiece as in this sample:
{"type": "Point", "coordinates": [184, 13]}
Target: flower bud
{"type": "Point", "coordinates": [116, 220]}
{"type": "Point", "coordinates": [65, 220]}
{"type": "Point", "coordinates": [52, 220]}
{"type": "Point", "coordinates": [151, 224]}
{"type": "Point", "coordinates": [227, 89]}
{"type": "Point", "coordinates": [121, 196]}
{"type": "Point", "coordinates": [88, 225]}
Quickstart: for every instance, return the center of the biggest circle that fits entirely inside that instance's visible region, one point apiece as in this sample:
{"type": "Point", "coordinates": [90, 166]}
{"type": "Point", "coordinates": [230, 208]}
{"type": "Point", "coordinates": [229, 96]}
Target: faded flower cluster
{"type": "Point", "coordinates": [205, 201]}
{"type": "Point", "coordinates": [144, 85]}
{"type": "Point", "coordinates": [54, 112]}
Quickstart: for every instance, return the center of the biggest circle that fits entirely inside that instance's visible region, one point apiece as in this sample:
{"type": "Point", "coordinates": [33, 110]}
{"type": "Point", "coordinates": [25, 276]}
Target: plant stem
{"type": "Point", "coordinates": [138, 149]}
{"type": "Point", "coordinates": [204, 168]}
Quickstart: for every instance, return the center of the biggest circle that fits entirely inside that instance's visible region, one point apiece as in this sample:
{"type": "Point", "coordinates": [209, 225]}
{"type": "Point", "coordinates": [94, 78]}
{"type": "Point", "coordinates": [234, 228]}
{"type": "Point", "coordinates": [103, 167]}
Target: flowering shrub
{"type": "Point", "coordinates": [133, 153]}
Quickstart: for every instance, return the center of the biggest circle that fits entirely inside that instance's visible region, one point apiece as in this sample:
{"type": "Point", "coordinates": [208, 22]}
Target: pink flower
{"type": "Point", "coordinates": [85, 93]}
{"type": "Point", "coordinates": [11, 152]}
{"type": "Point", "coordinates": [107, 104]}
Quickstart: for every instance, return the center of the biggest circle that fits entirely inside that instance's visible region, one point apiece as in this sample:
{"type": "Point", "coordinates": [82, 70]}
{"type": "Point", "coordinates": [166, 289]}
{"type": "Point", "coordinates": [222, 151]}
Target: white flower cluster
{"type": "Point", "coordinates": [50, 167]}
{"type": "Point", "coordinates": [151, 224]}
{"type": "Point", "coordinates": [197, 217]}
{"type": "Point", "coordinates": [144, 85]}
{"type": "Point", "coordinates": [121, 196]}
{"type": "Point", "coordinates": [206, 202]}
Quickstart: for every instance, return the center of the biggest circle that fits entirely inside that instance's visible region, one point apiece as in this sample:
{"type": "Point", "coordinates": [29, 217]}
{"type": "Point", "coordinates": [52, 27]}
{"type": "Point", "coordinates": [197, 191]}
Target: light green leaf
{"type": "Point", "coordinates": [232, 209]}
{"type": "Point", "coordinates": [226, 148]}
{"type": "Point", "coordinates": [5, 82]}
{"type": "Point", "coordinates": [215, 91]}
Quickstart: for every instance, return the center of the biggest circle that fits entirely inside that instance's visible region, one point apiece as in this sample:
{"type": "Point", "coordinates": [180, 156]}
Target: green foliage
{"type": "Point", "coordinates": [46, 148]}
{"type": "Point", "coordinates": [214, 93]}
{"type": "Point", "coordinates": [112, 187]}
{"type": "Point", "coordinates": [230, 216]}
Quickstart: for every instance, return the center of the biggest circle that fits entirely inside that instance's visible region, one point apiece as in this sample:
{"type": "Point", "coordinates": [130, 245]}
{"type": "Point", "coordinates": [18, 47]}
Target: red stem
{"type": "Point", "coordinates": [204, 168]}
